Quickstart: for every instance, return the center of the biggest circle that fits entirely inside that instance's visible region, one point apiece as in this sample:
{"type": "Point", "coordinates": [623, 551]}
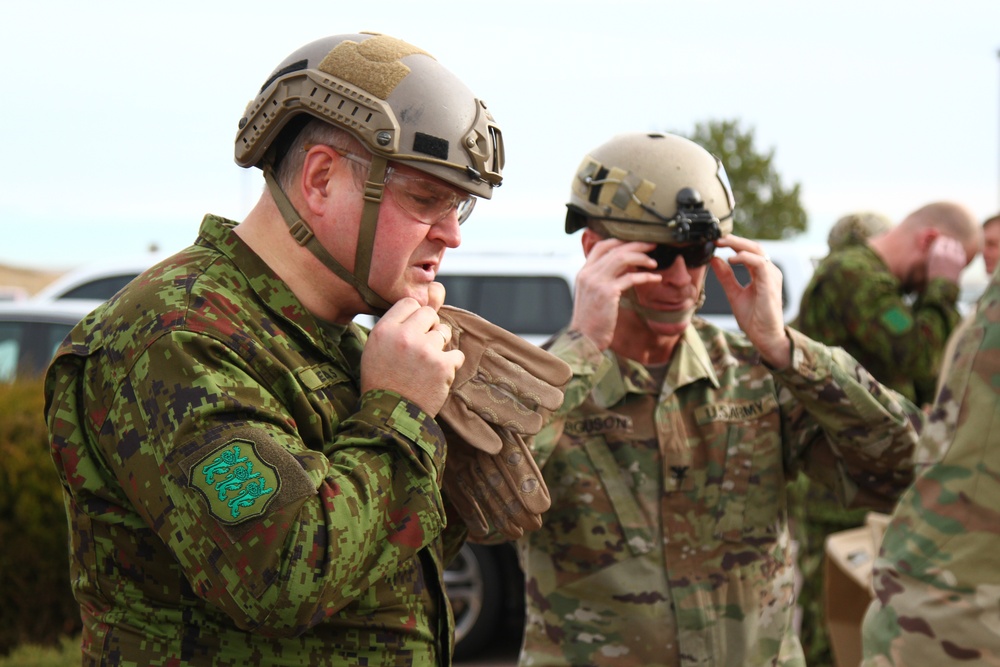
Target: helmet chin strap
{"type": "Point", "coordinates": [304, 236]}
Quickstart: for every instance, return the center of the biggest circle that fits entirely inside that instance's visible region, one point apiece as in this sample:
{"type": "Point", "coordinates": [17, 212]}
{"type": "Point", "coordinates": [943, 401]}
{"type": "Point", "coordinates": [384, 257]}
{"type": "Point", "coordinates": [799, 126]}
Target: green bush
{"type": "Point", "coordinates": [66, 654]}
{"type": "Point", "coordinates": [36, 604]}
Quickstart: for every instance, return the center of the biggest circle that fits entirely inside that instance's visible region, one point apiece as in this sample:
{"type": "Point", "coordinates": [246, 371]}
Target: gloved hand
{"type": "Point", "coordinates": [505, 489]}
{"type": "Point", "coordinates": [505, 383]}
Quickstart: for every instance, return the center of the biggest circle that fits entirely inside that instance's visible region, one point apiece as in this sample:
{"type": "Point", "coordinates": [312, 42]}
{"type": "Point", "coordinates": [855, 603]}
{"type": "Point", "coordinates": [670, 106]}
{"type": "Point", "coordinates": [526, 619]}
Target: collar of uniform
{"type": "Point", "coordinates": [217, 232]}
{"type": "Point", "coordinates": [690, 363]}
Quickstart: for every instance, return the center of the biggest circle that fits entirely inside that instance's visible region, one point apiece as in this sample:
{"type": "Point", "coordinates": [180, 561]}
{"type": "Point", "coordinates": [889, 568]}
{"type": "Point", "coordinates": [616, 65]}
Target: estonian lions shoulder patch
{"type": "Point", "coordinates": [237, 483]}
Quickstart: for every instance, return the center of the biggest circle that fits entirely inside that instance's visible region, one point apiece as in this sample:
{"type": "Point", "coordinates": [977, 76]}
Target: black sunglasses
{"type": "Point", "coordinates": [694, 256]}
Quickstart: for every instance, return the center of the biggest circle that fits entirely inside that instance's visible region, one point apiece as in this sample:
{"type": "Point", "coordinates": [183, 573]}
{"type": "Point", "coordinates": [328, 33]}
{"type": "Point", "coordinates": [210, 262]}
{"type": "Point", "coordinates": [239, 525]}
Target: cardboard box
{"type": "Point", "coordinates": [847, 583]}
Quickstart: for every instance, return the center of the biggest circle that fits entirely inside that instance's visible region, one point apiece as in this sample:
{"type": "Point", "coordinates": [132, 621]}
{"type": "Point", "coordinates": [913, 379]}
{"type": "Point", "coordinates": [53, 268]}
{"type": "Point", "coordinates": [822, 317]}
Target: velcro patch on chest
{"type": "Point", "coordinates": [735, 411]}
{"type": "Point", "coordinates": [237, 483]}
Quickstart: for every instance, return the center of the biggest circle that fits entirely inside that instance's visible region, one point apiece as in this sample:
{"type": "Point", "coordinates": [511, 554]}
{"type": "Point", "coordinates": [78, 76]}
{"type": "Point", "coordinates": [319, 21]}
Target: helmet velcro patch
{"type": "Point", "coordinates": [374, 65]}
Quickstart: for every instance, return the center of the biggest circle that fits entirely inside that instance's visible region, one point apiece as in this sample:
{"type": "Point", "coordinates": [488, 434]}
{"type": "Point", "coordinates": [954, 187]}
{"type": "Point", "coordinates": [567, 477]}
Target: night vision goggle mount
{"type": "Point", "coordinates": [692, 222]}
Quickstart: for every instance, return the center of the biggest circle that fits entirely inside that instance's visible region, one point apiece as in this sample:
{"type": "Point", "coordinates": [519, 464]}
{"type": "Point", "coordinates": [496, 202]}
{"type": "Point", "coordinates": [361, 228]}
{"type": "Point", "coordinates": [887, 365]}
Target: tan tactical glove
{"type": "Point", "coordinates": [505, 383]}
{"type": "Point", "coordinates": [504, 489]}
{"type": "Point", "coordinates": [499, 401]}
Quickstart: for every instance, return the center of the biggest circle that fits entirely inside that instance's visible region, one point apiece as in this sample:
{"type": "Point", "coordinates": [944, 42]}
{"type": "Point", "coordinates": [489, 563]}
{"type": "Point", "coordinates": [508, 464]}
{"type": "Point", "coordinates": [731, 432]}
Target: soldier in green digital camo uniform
{"type": "Point", "coordinates": [859, 297]}
{"type": "Point", "coordinates": [937, 578]}
{"type": "Point", "coordinates": [250, 478]}
{"type": "Point", "coordinates": [667, 542]}
{"type": "Point", "coordinates": [816, 511]}
{"type": "Point", "coordinates": [858, 300]}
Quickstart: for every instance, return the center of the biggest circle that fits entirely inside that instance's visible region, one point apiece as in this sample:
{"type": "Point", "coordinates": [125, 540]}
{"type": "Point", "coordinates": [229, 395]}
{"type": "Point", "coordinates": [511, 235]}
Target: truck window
{"type": "Point", "coordinates": [716, 302]}
{"type": "Point", "coordinates": [525, 305]}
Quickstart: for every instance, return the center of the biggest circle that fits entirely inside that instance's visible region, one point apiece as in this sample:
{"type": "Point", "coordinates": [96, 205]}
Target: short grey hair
{"type": "Point", "coordinates": [317, 132]}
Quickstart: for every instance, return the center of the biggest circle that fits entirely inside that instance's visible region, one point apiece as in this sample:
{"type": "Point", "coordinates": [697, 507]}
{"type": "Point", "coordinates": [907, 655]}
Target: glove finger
{"type": "Point", "coordinates": [500, 407]}
{"type": "Point", "coordinates": [465, 504]}
{"type": "Point", "coordinates": [496, 337]}
{"type": "Point", "coordinates": [468, 425]}
{"type": "Point", "coordinates": [544, 365]}
{"type": "Point", "coordinates": [479, 505]}
{"type": "Point", "coordinates": [457, 471]}
{"type": "Point", "coordinates": [493, 504]}
{"type": "Point", "coordinates": [511, 499]}
{"type": "Point", "coordinates": [514, 382]}
{"type": "Point", "coordinates": [522, 474]}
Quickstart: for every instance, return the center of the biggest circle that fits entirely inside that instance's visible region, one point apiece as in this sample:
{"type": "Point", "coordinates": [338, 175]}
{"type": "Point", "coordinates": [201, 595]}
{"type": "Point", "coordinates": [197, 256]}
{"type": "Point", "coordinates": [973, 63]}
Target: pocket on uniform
{"type": "Point", "coordinates": [753, 482]}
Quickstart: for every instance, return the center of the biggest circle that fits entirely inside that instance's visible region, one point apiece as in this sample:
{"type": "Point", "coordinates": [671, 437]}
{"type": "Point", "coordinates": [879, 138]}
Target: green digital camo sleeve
{"type": "Point", "coordinates": [854, 302]}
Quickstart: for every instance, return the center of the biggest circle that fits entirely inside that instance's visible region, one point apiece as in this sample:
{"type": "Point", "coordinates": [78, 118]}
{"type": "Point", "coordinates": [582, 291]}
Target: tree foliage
{"type": "Point", "coordinates": [765, 207]}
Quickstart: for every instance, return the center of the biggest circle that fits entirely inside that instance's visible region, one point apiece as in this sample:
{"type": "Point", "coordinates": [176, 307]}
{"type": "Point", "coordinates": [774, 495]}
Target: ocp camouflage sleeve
{"type": "Point", "coordinates": [854, 302]}
{"type": "Point", "coordinates": [937, 577]}
{"type": "Point", "coordinates": [232, 499]}
{"type": "Point", "coordinates": [844, 428]}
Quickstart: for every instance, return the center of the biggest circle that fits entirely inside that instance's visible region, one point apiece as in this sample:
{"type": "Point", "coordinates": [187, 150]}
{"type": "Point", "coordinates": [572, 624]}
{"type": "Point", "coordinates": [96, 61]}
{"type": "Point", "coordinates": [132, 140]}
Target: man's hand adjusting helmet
{"type": "Point", "coordinates": [656, 188]}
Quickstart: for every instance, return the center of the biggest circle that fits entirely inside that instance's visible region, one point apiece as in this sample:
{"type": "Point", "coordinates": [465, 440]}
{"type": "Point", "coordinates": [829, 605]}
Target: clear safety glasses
{"type": "Point", "coordinates": [426, 200]}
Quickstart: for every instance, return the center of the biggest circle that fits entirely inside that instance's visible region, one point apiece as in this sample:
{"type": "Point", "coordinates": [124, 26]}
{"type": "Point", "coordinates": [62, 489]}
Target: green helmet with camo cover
{"type": "Point", "coordinates": [653, 187]}
{"type": "Point", "coordinates": [398, 101]}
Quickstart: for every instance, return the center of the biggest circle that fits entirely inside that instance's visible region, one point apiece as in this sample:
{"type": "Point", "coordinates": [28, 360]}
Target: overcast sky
{"type": "Point", "coordinates": [118, 118]}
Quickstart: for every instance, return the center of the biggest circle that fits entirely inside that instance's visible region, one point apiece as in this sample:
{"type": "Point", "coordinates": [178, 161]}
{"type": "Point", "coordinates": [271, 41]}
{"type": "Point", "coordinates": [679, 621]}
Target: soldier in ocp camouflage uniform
{"type": "Point", "coordinates": [937, 578]}
{"type": "Point", "coordinates": [667, 542]}
{"type": "Point", "coordinates": [250, 478]}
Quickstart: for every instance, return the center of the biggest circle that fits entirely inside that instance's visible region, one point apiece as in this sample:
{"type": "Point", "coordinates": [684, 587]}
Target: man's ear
{"type": "Point", "coordinates": [318, 168]}
{"type": "Point", "coordinates": [926, 237]}
{"type": "Point", "coordinates": [589, 239]}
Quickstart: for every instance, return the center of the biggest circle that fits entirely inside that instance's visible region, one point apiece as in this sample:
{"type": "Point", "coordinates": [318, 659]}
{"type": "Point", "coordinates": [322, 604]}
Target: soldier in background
{"type": "Point", "coordinates": [932, 450]}
{"type": "Point", "coordinates": [667, 542]}
{"type": "Point", "coordinates": [251, 478]}
{"type": "Point", "coordinates": [991, 244]}
{"type": "Point", "coordinates": [858, 298]}
{"type": "Point", "coordinates": [856, 228]}
{"type": "Point", "coordinates": [937, 577]}
{"type": "Point", "coordinates": [816, 510]}
{"type": "Point", "coordinates": [890, 301]}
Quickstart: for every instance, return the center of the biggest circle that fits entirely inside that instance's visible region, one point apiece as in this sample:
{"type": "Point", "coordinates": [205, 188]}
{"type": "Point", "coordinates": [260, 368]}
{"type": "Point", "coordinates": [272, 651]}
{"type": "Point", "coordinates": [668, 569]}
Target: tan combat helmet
{"type": "Point", "coordinates": [653, 187]}
{"type": "Point", "coordinates": [393, 97]}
